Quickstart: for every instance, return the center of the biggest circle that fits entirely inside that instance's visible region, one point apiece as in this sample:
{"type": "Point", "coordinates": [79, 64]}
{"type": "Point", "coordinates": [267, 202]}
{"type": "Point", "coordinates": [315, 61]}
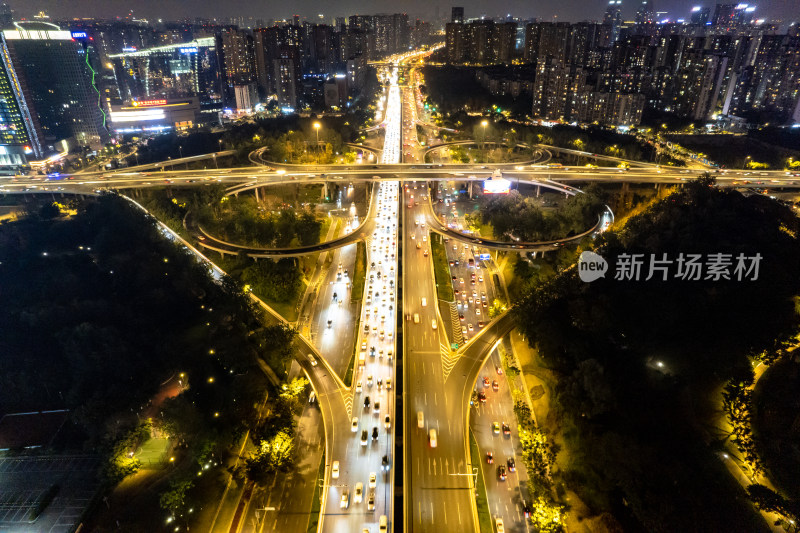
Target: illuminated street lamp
{"type": "Point", "coordinates": [746, 159]}
{"type": "Point", "coordinates": [484, 123]}
{"type": "Point", "coordinates": [316, 128]}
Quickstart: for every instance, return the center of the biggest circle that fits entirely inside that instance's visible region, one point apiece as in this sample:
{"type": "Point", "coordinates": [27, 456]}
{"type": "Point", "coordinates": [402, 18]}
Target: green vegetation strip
{"type": "Point", "coordinates": [441, 269]}
{"type": "Point", "coordinates": [484, 516]}
{"type": "Point", "coordinates": [359, 272]}
{"type": "Point", "coordinates": [313, 517]}
{"type": "Point", "coordinates": [348, 375]}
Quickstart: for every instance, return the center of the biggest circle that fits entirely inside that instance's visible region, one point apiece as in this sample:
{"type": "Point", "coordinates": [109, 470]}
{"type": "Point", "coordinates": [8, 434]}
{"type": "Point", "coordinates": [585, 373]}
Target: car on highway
{"type": "Point", "coordinates": [358, 386]}
{"type": "Point", "coordinates": [358, 496]}
{"type": "Point", "coordinates": [375, 433]}
{"type": "Point", "coordinates": [335, 470]}
{"type": "Point", "coordinates": [383, 524]}
{"type": "Point", "coordinates": [364, 437]}
{"type": "Point", "coordinates": [496, 428]}
{"type": "Point", "coordinates": [385, 463]}
{"type": "Point", "coordinates": [371, 503]}
{"type": "Point", "coordinates": [344, 503]}
{"type": "Point", "coordinates": [506, 429]}
{"type": "Point", "coordinates": [499, 526]}
{"type": "Point", "coordinates": [433, 324]}
{"type": "Point", "coordinates": [354, 425]}
{"type": "Point", "coordinates": [512, 464]}
{"type": "Point", "coordinates": [501, 473]}
{"type": "Point", "coordinates": [485, 382]}
{"type": "Point", "coordinates": [373, 480]}
{"type": "Point", "coordinates": [489, 457]}
{"type": "Point", "coordinates": [495, 385]}
{"type": "Point", "coordinates": [420, 420]}
{"type": "Point", "coordinates": [482, 397]}
{"type": "Point", "coordinates": [432, 437]}
{"type": "Point", "coordinates": [312, 359]}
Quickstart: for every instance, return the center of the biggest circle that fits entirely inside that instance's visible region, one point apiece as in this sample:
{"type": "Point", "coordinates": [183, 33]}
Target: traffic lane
{"type": "Point", "coordinates": [364, 456]}
{"type": "Point", "coordinates": [335, 342]}
{"type": "Point", "coordinates": [438, 474]}
{"type": "Point", "coordinates": [286, 505]}
{"type": "Point", "coordinates": [506, 498]}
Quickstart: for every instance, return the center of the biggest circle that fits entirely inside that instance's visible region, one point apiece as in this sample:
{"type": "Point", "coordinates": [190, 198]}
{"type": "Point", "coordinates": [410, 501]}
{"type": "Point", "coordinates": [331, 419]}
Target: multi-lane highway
{"type": "Point", "coordinates": [440, 369]}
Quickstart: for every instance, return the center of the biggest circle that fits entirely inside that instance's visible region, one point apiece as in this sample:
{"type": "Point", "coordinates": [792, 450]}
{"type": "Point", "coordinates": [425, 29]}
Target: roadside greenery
{"type": "Point", "coordinates": [514, 216]}
{"type": "Point", "coordinates": [441, 268]}
{"type": "Point", "coordinates": [632, 355]}
{"type": "Point", "coordinates": [100, 309]}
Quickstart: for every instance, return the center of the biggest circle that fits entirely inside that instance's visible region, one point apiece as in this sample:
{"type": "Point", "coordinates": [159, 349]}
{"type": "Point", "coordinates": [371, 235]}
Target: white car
{"type": "Point", "coordinates": [354, 426]}
{"type": "Point", "coordinates": [433, 324]}
{"type": "Point", "coordinates": [345, 501]}
{"type": "Point", "coordinates": [387, 422]}
{"type": "Point", "coordinates": [499, 525]}
{"type": "Point", "coordinates": [335, 470]}
{"type": "Point", "coordinates": [312, 359]}
{"type": "Point", "coordinates": [373, 480]}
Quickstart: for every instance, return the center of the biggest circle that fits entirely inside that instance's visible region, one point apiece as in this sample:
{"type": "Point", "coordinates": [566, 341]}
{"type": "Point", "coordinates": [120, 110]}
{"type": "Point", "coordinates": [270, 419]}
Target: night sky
{"type": "Point", "coordinates": [564, 10]}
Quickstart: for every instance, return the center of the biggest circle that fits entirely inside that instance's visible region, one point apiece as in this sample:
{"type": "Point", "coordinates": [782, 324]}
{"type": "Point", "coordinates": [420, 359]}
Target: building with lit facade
{"type": "Point", "coordinates": [181, 70]}
{"type": "Point", "coordinates": [56, 82]}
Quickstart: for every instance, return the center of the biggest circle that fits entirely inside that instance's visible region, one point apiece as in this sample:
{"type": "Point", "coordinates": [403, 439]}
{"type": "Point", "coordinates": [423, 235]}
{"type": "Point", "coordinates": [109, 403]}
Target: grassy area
{"type": "Point", "coordinates": [484, 516]}
{"type": "Point", "coordinates": [313, 519]}
{"type": "Point", "coordinates": [153, 452]}
{"type": "Point", "coordinates": [348, 375]}
{"type": "Point", "coordinates": [359, 272]}
{"type": "Point", "coordinates": [441, 269]}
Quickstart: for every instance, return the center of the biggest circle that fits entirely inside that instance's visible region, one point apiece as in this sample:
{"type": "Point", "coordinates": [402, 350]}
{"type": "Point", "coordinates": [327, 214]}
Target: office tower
{"type": "Point", "coordinates": [700, 15]}
{"type": "Point", "coordinates": [19, 131]}
{"type": "Point", "coordinates": [646, 14]}
{"type": "Point", "coordinates": [57, 82]}
{"type": "Point", "coordinates": [613, 17]}
{"type": "Point", "coordinates": [457, 15]}
{"type": "Point", "coordinates": [725, 15]}
{"type": "Point", "coordinates": [172, 71]}
{"type": "Point", "coordinates": [6, 17]}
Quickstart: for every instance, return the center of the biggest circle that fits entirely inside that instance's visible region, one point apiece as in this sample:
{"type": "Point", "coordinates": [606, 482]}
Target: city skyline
{"type": "Point", "coordinates": [571, 10]}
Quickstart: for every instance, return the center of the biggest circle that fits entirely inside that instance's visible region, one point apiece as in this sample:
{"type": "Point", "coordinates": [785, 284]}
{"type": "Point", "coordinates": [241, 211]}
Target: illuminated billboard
{"type": "Point", "coordinates": [148, 103]}
{"type": "Point", "coordinates": [496, 186]}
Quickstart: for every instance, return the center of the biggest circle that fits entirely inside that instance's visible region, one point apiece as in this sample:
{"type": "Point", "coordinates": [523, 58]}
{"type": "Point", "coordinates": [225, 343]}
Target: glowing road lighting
{"type": "Point", "coordinates": [659, 364]}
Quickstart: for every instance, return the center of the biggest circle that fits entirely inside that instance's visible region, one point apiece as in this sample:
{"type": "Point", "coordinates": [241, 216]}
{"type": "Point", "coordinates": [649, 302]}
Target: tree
{"type": "Point", "coordinates": [49, 211]}
{"type": "Point", "coordinates": [174, 498]}
{"type": "Point", "coordinates": [768, 500]}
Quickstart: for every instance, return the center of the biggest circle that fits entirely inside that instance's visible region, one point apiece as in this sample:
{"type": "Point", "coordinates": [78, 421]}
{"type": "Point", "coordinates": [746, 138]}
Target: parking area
{"type": "Point", "coordinates": [25, 482]}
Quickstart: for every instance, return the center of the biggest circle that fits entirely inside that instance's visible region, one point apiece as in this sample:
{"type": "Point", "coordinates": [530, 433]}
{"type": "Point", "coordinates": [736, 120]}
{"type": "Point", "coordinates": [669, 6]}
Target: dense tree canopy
{"type": "Point", "coordinates": [99, 309]}
{"type": "Point", "coordinates": [627, 420]}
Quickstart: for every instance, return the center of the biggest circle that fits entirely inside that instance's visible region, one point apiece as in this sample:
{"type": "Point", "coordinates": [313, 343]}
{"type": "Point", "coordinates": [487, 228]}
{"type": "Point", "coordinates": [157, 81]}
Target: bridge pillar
{"type": "Point", "coordinates": [538, 191]}
{"type": "Point", "coordinates": [256, 191]}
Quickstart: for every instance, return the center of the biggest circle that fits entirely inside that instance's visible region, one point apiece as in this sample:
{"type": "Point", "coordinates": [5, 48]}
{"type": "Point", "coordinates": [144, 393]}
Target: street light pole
{"type": "Point", "coordinates": [483, 140]}
{"type": "Point", "coordinates": [316, 128]}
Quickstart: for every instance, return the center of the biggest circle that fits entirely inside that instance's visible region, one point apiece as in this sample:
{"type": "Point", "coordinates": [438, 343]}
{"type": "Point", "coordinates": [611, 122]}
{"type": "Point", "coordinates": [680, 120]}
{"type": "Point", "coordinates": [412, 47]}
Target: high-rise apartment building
{"type": "Point", "coordinates": [457, 15]}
